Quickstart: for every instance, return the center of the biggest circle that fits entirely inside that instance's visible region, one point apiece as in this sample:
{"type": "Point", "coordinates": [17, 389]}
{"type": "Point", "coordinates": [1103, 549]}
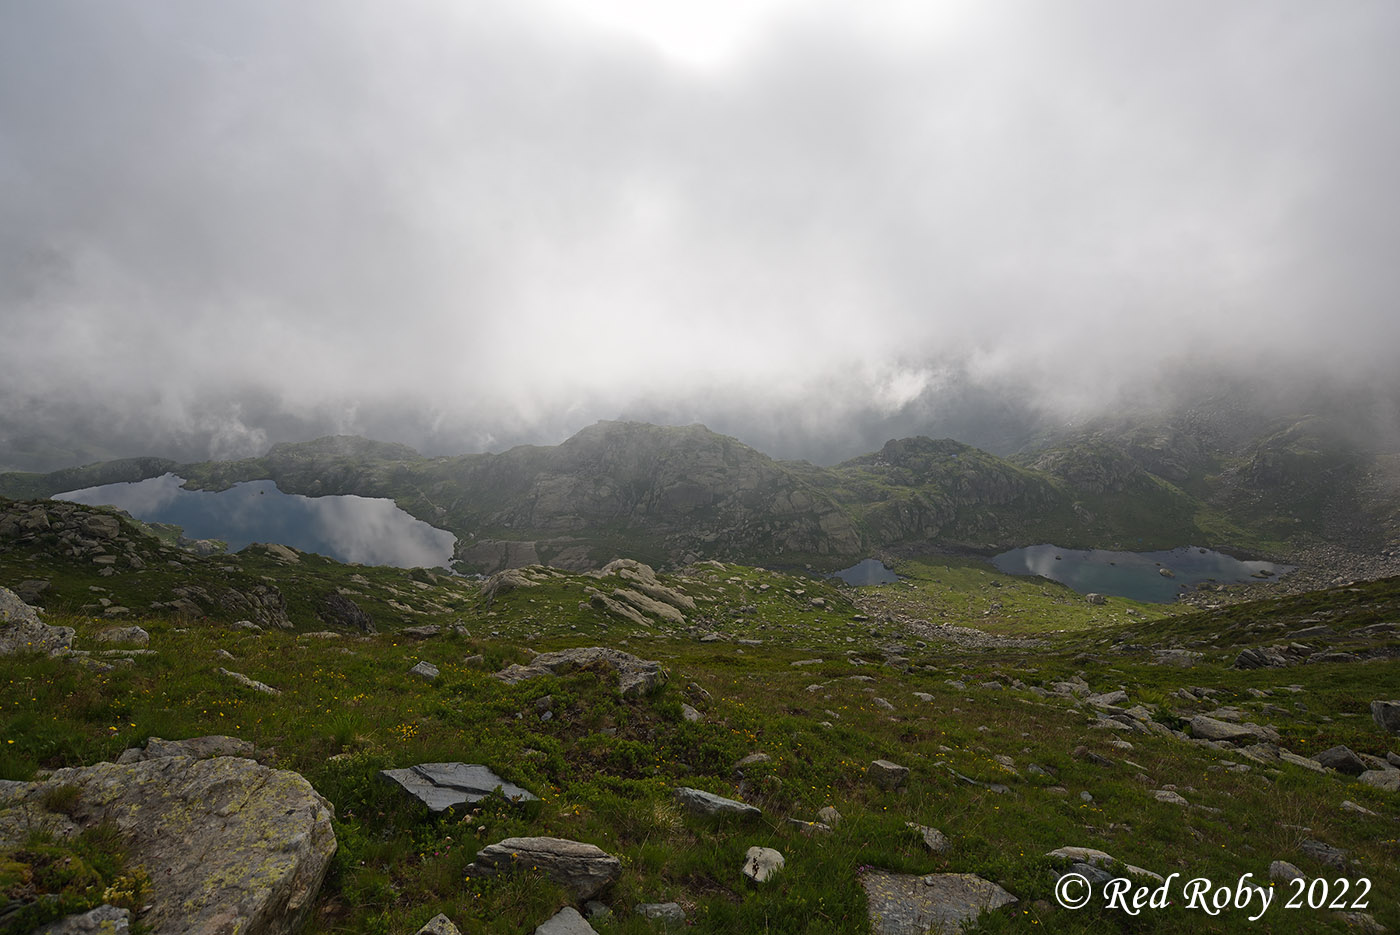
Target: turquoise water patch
{"type": "Point", "coordinates": [1156, 577]}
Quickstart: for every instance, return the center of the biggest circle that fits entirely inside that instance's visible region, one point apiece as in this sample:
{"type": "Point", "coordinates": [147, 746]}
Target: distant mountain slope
{"type": "Point", "coordinates": [669, 495]}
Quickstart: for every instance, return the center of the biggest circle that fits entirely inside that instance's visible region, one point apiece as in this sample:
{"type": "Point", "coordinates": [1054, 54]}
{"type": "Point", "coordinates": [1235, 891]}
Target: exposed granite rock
{"type": "Point", "coordinates": [104, 920]}
{"type": "Point", "coordinates": [1343, 759]}
{"type": "Point", "coordinates": [337, 610]}
{"type": "Point", "coordinates": [936, 904]}
{"type": "Point", "coordinates": [439, 925]}
{"type": "Point", "coordinates": [566, 921]}
{"type": "Point", "coordinates": [634, 676]}
{"type": "Point", "coordinates": [1386, 714]}
{"type": "Point", "coordinates": [247, 682]}
{"type": "Point", "coordinates": [888, 775]}
{"type": "Point", "coordinates": [21, 630]}
{"type": "Point", "coordinates": [760, 863]}
{"type": "Point", "coordinates": [230, 845]}
{"type": "Point", "coordinates": [133, 635]}
{"type": "Point", "coordinates": [196, 748]}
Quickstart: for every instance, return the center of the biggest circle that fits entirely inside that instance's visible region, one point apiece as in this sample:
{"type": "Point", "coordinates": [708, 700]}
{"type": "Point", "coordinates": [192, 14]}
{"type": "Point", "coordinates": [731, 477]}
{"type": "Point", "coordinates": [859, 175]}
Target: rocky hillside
{"type": "Point", "coordinates": [723, 749]}
{"type": "Point", "coordinates": [1296, 490]}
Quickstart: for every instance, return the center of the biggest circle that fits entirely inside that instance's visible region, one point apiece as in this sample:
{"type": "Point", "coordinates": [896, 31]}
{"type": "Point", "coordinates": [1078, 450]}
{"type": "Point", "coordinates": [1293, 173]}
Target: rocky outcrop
{"type": "Point", "coordinates": [21, 630]}
{"type": "Point", "coordinates": [441, 786]}
{"type": "Point", "coordinates": [583, 869]}
{"type": "Point", "coordinates": [196, 748]}
{"type": "Point", "coordinates": [634, 676]}
{"type": "Point", "coordinates": [337, 610]}
{"type": "Point", "coordinates": [230, 845]}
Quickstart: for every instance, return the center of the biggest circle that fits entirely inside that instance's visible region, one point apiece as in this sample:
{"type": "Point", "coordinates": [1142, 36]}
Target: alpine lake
{"type": "Point", "coordinates": [364, 530]}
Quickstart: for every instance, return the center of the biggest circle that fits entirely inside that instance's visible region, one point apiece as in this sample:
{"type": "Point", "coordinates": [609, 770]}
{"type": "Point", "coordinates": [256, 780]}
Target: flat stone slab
{"type": "Point", "coordinates": [935, 904]}
{"type": "Point", "coordinates": [707, 803]}
{"type": "Point", "coordinates": [566, 921]}
{"type": "Point", "coordinates": [583, 869]}
{"type": "Point", "coordinates": [635, 676]}
{"type": "Point", "coordinates": [441, 786]}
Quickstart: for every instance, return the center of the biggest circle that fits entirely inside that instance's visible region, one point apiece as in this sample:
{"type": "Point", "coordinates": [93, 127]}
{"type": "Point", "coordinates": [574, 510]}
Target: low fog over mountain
{"type": "Point", "coordinates": [813, 226]}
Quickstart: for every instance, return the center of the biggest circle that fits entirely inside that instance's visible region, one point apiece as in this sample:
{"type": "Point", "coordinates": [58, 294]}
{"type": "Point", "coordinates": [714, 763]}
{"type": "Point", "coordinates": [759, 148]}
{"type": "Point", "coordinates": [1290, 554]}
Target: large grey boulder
{"type": "Point", "coordinates": [635, 676]}
{"type": "Point", "coordinates": [230, 845]}
{"type": "Point", "coordinates": [441, 786]}
{"type": "Point", "coordinates": [583, 869]}
{"type": "Point", "coordinates": [1386, 714]}
{"type": "Point", "coordinates": [707, 803]}
{"type": "Point", "coordinates": [936, 904]}
{"type": "Point", "coordinates": [21, 630]}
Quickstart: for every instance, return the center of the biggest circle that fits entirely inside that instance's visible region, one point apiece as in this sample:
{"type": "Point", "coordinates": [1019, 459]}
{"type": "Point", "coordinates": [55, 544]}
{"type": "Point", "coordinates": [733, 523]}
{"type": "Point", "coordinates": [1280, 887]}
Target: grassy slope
{"type": "Point", "coordinates": [606, 767]}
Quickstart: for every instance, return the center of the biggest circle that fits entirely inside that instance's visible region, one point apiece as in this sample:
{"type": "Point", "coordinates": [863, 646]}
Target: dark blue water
{"type": "Point", "coordinates": [351, 529]}
{"type": "Point", "coordinates": [870, 571]}
{"type": "Point", "coordinates": [1135, 575]}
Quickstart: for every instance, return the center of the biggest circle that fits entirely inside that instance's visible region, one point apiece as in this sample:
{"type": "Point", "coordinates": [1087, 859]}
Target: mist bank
{"type": "Point", "coordinates": [824, 418]}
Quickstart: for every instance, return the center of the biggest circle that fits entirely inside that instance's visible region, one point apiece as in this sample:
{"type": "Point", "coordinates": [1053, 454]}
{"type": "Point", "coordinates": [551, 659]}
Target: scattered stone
{"type": "Point", "coordinates": [809, 828]}
{"type": "Point", "coordinates": [104, 920]}
{"type": "Point", "coordinates": [1387, 779]}
{"type": "Point", "coordinates": [1170, 797]}
{"type": "Point", "coordinates": [1094, 598]}
{"type": "Point", "coordinates": [30, 590]}
{"type": "Point", "coordinates": [888, 775]}
{"type": "Point", "coordinates": [583, 869]}
{"type": "Point", "coordinates": [829, 815]}
{"type": "Point", "coordinates": [1343, 759]}
{"type": "Point", "coordinates": [936, 841]}
{"type": "Point", "coordinates": [707, 803]}
{"type": "Point", "coordinates": [1082, 752]}
{"type": "Point", "coordinates": [1362, 922]}
{"type": "Point", "coordinates": [230, 845]}
{"type": "Point", "coordinates": [441, 786]}
{"type": "Point", "coordinates": [1351, 806]}
{"type": "Point", "coordinates": [1182, 658]}
{"type": "Point", "coordinates": [1210, 728]}
{"type": "Point", "coordinates": [1099, 858]}
{"type": "Point", "coordinates": [691, 714]}
{"type": "Point", "coordinates": [939, 903]}
{"type": "Point", "coordinates": [668, 913]}
{"type": "Point", "coordinates": [440, 925]}
{"type": "Point", "coordinates": [760, 863]}
{"type": "Point", "coordinates": [566, 921]}
{"type": "Point", "coordinates": [597, 910]}
{"type": "Point", "coordinates": [197, 748]}
{"type": "Point", "coordinates": [1386, 714]}
{"type": "Point", "coordinates": [1281, 871]}
{"type": "Point", "coordinates": [421, 633]}
{"type": "Point", "coordinates": [246, 682]}
{"type": "Point", "coordinates": [635, 676]}
{"type": "Point", "coordinates": [133, 635]}
{"type": "Point", "coordinates": [22, 631]}
{"type": "Point", "coordinates": [1287, 756]}
{"type": "Point", "coordinates": [1109, 699]}
{"type": "Point", "coordinates": [806, 662]}
{"type": "Point", "coordinates": [1324, 853]}
{"type": "Point", "coordinates": [425, 670]}
{"type": "Point", "coordinates": [753, 759]}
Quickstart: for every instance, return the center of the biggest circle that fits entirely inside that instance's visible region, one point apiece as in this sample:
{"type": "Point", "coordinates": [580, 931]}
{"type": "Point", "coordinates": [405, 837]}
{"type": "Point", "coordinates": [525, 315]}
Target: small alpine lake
{"type": "Point", "coordinates": [365, 530]}
{"type": "Point", "coordinates": [1156, 577]}
{"type": "Point", "coordinates": [869, 571]}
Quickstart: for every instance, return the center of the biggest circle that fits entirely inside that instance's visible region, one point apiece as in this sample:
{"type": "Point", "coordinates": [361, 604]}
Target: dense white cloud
{"type": "Point", "coordinates": [465, 224]}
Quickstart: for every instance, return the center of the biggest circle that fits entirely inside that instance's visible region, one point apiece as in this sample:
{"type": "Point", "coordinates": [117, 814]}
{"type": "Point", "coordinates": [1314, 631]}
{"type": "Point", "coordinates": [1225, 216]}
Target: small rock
{"type": "Point", "coordinates": [133, 635]}
{"type": "Point", "coordinates": [440, 925]}
{"type": "Point", "coordinates": [760, 863]}
{"type": "Point", "coordinates": [888, 775]}
{"type": "Point", "coordinates": [441, 786]}
{"type": "Point", "coordinates": [566, 921]}
{"type": "Point", "coordinates": [425, 670]}
{"type": "Point", "coordinates": [246, 682]}
{"type": "Point", "coordinates": [1387, 779]}
{"type": "Point", "coordinates": [583, 869]}
{"type": "Point", "coordinates": [104, 920]}
{"type": "Point", "coordinates": [938, 903]}
{"type": "Point", "coordinates": [829, 814]}
{"type": "Point", "coordinates": [1343, 759]}
{"type": "Point", "coordinates": [1386, 714]}
{"type": "Point", "coordinates": [1325, 853]}
{"type": "Point", "coordinates": [1170, 797]}
{"type": "Point", "coordinates": [691, 714]}
{"type": "Point", "coordinates": [669, 913]}
{"type": "Point", "coordinates": [1281, 871]}
{"type": "Point", "coordinates": [707, 803]}
{"type": "Point", "coordinates": [936, 841]}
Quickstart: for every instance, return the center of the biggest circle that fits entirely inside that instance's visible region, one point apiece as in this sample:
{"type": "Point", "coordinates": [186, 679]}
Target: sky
{"type": "Point", "coordinates": [468, 225]}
